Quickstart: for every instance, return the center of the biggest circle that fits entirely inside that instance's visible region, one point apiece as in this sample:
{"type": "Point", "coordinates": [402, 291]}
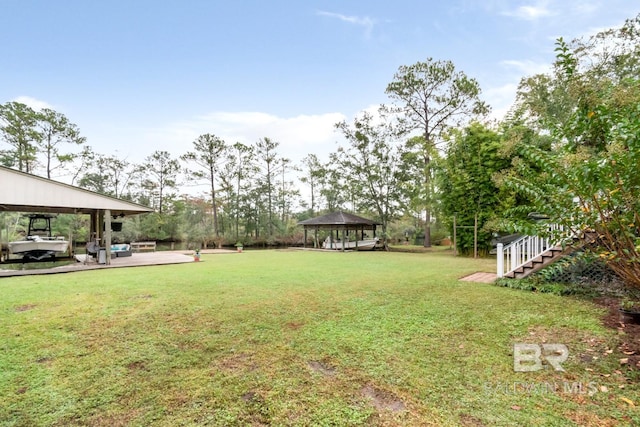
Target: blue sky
{"type": "Point", "coordinates": [138, 75]}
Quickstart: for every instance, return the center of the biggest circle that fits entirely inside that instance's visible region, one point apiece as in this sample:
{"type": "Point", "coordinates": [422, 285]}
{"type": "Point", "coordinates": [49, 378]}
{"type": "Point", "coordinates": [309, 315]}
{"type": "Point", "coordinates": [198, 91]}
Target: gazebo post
{"type": "Point", "coordinates": [304, 242]}
{"type": "Point", "coordinates": [343, 237]}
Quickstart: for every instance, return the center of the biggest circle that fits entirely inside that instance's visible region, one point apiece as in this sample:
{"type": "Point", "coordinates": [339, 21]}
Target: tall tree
{"type": "Point", "coordinates": [286, 189]}
{"type": "Point", "coordinates": [83, 162]}
{"type": "Point", "coordinates": [162, 172]}
{"type": "Point", "coordinates": [18, 129]}
{"type": "Point", "coordinates": [433, 97]}
{"type": "Point", "coordinates": [108, 175]}
{"type": "Point", "coordinates": [194, 222]}
{"type": "Point", "coordinates": [467, 186]}
{"type": "Point", "coordinates": [414, 160]}
{"type": "Point", "coordinates": [241, 157]}
{"type": "Point", "coordinates": [333, 188]}
{"type": "Point", "coordinates": [270, 165]}
{"type": "Point", "coordinates": [56, 129]}
{"type": "Point", "coordinates": [374, 162]}
{"type": "Point", "coordinates": [208, 155]}
{"type": "Point", "coordinates": [313, 172]}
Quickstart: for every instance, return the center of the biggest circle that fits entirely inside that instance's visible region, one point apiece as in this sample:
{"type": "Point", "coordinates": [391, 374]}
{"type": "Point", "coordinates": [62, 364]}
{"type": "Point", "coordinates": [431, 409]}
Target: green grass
{"type": "Point", "coordinates": [299, 338]}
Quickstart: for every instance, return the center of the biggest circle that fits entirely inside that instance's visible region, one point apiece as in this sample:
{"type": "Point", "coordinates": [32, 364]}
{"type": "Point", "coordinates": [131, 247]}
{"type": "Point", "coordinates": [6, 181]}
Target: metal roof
{"type": "Point", "coordinates": [23, 192]}
{"type": "Point", "coordinates": [339, 219]}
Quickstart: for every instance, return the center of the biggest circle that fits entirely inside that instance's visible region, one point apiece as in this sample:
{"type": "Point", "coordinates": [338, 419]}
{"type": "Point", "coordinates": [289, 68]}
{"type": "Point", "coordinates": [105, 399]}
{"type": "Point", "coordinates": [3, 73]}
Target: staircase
{"type": "Point", "coordinates": [528, 255]}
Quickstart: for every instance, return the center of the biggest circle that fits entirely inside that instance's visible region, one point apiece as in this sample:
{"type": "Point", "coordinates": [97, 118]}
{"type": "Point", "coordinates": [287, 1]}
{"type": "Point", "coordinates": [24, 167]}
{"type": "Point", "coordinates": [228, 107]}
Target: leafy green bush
{"type": "Point", "coordinates": [534, 285]}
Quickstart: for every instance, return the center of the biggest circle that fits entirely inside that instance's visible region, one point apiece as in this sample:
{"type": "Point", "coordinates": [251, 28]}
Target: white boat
{"type": "Point", "coordinates": [39, 244]}
{"type": "Point", "coordinates": [361, 245]}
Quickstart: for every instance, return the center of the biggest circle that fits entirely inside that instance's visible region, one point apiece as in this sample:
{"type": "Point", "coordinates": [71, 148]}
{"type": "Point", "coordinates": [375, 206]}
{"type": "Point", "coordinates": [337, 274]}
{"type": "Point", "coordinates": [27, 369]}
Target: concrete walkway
{"type": "Point", "coordinates": [135, 260]}
{"type": "Point", "coordinates": [480, 277]}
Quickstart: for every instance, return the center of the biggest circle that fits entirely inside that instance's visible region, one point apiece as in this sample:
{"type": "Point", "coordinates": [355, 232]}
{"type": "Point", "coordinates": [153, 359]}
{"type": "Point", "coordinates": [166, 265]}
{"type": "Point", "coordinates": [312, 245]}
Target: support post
{"type": "Point", "coordinates": [100, 226]}
{"type": "Point", "coordinates": [356, 233]}
{"type": "Point", "coordinates": [94, 226]}
{"type": "Point", "coordinates": [500, 259]}
{"type": "Point", "coordinates": [107, 234]}
{"type": "Point", "coordinates": [455, 241]}
{"type": "Point", "coordinates": [475, 236]}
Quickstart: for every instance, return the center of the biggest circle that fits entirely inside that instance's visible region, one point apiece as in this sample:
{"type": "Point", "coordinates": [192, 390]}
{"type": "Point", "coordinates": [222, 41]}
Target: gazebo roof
{"type": "Point", "coordinates": [339, 220]}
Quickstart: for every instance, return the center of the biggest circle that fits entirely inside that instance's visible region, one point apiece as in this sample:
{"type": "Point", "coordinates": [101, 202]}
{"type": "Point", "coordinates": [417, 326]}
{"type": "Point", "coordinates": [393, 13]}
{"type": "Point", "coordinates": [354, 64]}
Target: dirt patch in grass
{"type": "Point", "coordinates": [629, 333]}
{"type": "Point", "coordinates": [467, 420]}
{"type": "Point", "coordinates": [322, 368]}
{"type": "Point", "coordinates": [44, 360]}
{"type": "Point", "coordinates": [294, 325]}
{"type": "Point", "coordinates": [25, 307]}
{"type": "Point", "coordinates": [114, 420]}
{"type": "Point", "coordinates": [587, 419]}
{"type": "Point", "coordinates": [137, 366]}
{"type": "Point", "coordinates": [240, 361]}
{"type": "Point", "coordinates": [382, 399]}
{"type": "Point", "coordinates": [251, 397]}
{"type": "Point", "coordinates": [258, 412]}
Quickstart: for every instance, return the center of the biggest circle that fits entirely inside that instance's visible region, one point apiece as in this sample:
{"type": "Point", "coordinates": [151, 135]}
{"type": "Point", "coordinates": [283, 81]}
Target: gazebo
{"type": "Point", "coordinates": [341, 223]}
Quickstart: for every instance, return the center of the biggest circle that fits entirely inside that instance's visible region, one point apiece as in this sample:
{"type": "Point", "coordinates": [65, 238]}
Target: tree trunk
{"type": "Point", "coordinates": [427, 189]}
{"type": "Point", "coordinates": [427, 229]}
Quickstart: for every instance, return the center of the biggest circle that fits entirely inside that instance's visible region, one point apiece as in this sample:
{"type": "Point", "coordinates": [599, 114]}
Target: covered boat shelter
{"type": "Point", "coordinates": [23, 192]}
{"type": "Point", "coordinates": [341, 223]}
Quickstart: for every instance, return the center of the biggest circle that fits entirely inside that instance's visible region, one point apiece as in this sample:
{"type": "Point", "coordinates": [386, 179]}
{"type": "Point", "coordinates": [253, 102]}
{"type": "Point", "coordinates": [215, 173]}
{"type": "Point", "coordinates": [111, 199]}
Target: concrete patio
{"type": "Point", "coordinates": [136, 260]}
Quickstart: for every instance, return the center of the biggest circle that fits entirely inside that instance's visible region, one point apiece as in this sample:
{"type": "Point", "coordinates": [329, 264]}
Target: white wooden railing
{"type": "Point", "coordinates": [524, 250]}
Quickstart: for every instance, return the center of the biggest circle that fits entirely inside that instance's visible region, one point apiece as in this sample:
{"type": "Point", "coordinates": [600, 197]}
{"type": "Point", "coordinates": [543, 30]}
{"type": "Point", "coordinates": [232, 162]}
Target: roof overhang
{"type": "Point", "coordinates": [23, 192]}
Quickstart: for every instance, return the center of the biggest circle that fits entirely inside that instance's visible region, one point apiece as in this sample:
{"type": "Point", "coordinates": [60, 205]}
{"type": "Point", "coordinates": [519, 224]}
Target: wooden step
{"type": "Point", "coordinates": [538, 263]}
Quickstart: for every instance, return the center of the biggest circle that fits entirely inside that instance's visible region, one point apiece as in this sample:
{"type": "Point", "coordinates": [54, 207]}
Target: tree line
{"type": "Point", "coordinates": [380, 172]}
{"type": "Point", "coordinates": [567, 150]}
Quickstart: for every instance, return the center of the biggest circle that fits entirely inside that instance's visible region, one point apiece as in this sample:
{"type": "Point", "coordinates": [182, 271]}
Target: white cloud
{"type": "Point", "coordinates": [531, 12]}
{"type": "Point", "coordinates": [298, 136]}
{"type": "Point", "coordinates": [365, 22]}
{"type": "Point", "coordinates": [585, 7]}
{"type": "Point", "coordinates": [501, 99]}
{"type": "Point", "coordinates": [526, 67]}
{"type": "Point", "coordinates": [34, 103]}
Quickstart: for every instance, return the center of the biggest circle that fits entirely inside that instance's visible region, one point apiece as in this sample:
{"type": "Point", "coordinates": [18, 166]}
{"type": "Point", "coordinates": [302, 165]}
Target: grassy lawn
{"type": "Point", "coordinates": [300, 338]}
